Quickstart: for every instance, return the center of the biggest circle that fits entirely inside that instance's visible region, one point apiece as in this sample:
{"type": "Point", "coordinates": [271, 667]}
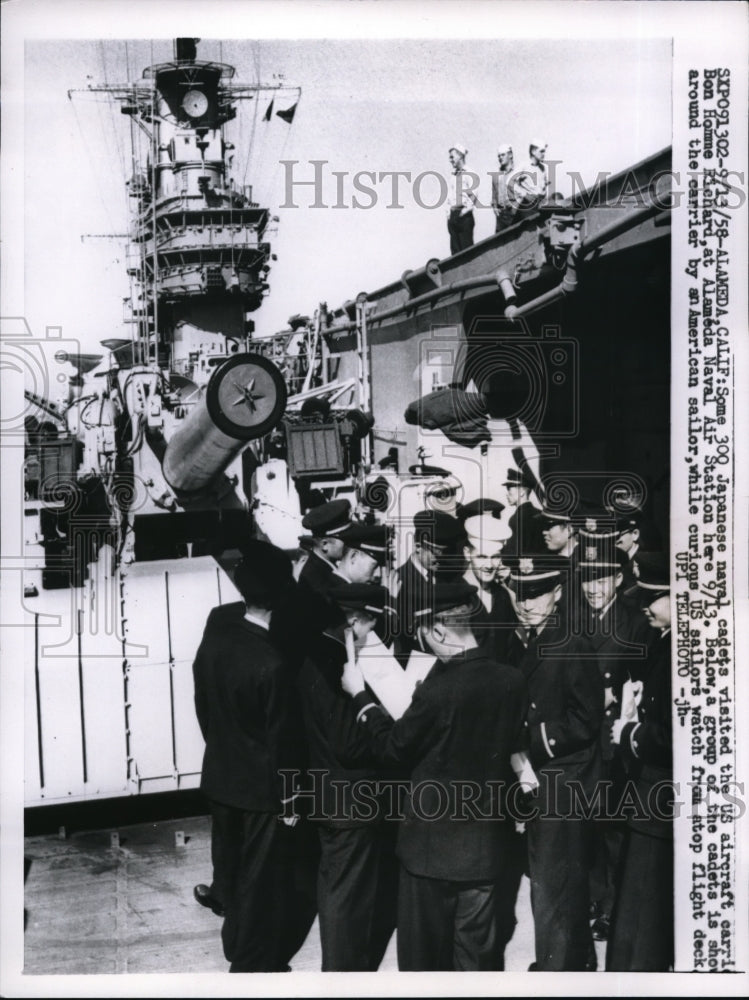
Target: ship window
{"type": "Point", "coordinates": [436, 370]}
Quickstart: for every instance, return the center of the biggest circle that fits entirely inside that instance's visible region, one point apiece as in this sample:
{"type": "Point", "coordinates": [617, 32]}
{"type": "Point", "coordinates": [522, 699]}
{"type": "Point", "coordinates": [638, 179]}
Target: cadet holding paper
{"type": "Point", "coordinates": [354, 892]}
{"type": "Point", "coordinates": [456, 739]}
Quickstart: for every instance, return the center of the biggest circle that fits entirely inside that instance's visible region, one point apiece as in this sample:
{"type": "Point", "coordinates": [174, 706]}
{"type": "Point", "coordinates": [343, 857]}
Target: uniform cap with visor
{"type": "Point", "coordinates": [653, 577]}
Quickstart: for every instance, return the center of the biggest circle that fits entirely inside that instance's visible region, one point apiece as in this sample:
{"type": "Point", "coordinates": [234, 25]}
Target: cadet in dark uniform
{"type": "Point", "coordinates": [436, 552]}
{"type": "Point", "coordinates": [325, 524]}
{"type": "Point", "coordinates": [564, 724]}
{"type": "Point", "coordinates": [486, 535]}
{"type": "Point", "coordinates": [619, 637]}
{"type": "Point", "coordinates": [364, 555]}
{"type": "Point", "coordinates": [219, 618]}
{"type": "Point", "coordinates": [246, 706]}
{"type": "Point", "coordinates": [559, 538]}
{"type": "Point", "coordinates": [458, 735]}
{"type": "Point", "coordinates": [642, 927]}
{"type": "Point", "coordinates": [526, 530]}
{"type": "Point", "coordinates": [354, 928]}
{"type": "Point", "coordinates": [307, 615]}
{"type": "Point", "coordinates": [364, 552]}
{"type": "Point", "coordinates": [628, 542]}
{"type": "Point", "coordinates": [558, 533]}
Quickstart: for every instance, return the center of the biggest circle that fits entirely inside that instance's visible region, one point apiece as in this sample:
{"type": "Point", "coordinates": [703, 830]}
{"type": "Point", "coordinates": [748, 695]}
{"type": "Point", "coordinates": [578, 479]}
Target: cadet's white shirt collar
{"type": "Point", "coordinates": [260, 622]}
{"type": "Point", "coordinates": [522, 630]}
{"type": "Point", "coordinates": [421, 569]}
{"type": "Point", "coordinates": [604, 611]}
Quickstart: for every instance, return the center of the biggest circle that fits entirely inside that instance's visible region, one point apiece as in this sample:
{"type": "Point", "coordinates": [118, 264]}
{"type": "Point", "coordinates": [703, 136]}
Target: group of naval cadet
{"type": "Point", "coordinates": [394, 746]}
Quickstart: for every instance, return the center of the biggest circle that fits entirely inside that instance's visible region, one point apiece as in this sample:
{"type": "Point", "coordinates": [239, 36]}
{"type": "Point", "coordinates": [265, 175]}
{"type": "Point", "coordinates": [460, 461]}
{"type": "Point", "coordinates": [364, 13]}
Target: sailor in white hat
{"type": "Point", "coordinates": [504, 200]}
{"type": "Point", "coordinates": [537, 149]}
{"type": "Point", "coordinates": [461, 199]}
{"type": "Point", "coordinates": [486, 535]}
{"type": "Point", "coordinates": [532, 181]}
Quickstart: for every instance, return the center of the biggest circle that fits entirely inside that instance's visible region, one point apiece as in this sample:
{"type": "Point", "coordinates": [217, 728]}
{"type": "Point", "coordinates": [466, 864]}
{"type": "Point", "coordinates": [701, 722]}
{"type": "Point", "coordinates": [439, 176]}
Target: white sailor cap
{"type": "Point", "coordinates": [486, 530]}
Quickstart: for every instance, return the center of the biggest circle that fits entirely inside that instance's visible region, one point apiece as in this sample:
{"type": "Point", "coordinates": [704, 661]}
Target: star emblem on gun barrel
{"type": "Point", "coordinates": [247, 395]}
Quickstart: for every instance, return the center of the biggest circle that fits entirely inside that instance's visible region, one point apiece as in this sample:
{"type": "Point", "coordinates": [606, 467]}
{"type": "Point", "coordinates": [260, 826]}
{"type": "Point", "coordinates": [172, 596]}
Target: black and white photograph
{"type": "Point", "coordinates": [374, 508]}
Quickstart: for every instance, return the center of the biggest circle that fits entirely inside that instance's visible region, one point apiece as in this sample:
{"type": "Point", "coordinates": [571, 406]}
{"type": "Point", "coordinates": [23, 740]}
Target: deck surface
{"type": "Point", "coordinates": [95, 909]}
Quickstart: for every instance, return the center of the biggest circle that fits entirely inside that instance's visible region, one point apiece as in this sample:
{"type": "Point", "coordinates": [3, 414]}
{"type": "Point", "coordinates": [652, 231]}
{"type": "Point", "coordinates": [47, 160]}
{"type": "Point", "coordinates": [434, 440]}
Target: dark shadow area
{"type": "Point", "coordinates": [105, 813]}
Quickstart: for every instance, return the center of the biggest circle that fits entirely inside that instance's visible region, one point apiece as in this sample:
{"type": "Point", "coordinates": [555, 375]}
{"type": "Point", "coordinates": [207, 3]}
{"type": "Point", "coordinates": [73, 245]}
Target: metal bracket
{"type": "Point", "coordinates": [426, 279]}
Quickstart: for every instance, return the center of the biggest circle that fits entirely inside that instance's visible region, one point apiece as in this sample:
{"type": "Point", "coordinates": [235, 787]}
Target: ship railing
{"type": "Point", "coordinates": [330, 391]}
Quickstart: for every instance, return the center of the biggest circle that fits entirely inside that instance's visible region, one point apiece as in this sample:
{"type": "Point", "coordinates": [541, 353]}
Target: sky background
{"type": "Point", "coordinates": [378, 105]}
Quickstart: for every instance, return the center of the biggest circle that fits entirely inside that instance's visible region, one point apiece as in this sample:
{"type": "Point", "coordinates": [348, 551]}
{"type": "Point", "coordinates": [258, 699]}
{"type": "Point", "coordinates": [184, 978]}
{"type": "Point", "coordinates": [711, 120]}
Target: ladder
{"type": "Point", "coordinates": [313, 339]}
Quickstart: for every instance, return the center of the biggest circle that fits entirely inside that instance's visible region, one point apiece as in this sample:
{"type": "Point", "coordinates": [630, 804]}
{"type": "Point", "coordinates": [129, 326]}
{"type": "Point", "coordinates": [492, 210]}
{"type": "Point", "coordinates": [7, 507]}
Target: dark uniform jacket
{"type": "Point", "coordinates": [314, 609]}
{"type": "Point", "coordinates": [330, 725]}
{"type": "Point", "coordinates": [222, 615]}
{"type": "Point", "coordinates": [620, 640]}
{"type": "Point", "coordinates": [316, 573]}
{"type": "Point", "coordinates": [247, 710]}
{"type": "Point", "coordinates": [566, 707]}
{"type": "Point", "coordinates": [414, 592]}
{"type": "Point", "coordinates": [465, 721]}
{"type": "Point", "coordinates": [646, 745]}
{"type": "Point", "coordinates": [494, 628]}
{"type": "Point", "coordinates": [527, 536]}
{"type": "Point", "coordinates": [289, 624]}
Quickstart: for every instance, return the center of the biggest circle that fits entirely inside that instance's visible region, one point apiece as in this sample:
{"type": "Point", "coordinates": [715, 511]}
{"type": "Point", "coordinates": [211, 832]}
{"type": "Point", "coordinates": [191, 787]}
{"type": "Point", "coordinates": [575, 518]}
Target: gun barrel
{"type": "Point", "coordinates": [244, 399]}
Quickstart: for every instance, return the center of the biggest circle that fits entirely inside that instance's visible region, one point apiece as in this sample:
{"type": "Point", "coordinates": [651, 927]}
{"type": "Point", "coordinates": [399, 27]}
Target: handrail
{"type": "Point", "coordinates": [501, 278]}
